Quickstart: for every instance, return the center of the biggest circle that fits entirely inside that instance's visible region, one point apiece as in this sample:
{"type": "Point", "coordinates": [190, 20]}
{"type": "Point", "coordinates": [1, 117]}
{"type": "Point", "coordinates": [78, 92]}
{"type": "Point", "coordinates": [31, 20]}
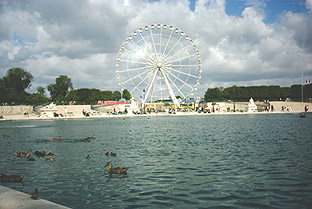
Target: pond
{"type": "Point", "coordinates": [235, 161]}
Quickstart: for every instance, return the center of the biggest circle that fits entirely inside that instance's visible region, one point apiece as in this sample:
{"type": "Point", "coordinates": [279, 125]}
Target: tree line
{"type": "Point", "coordinates": [273, 93]}
{"type": "Point", "coordinates": [14, 84]}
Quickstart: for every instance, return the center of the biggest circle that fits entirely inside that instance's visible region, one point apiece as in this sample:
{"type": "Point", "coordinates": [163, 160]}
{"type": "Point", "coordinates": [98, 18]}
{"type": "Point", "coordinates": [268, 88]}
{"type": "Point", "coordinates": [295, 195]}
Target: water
{"type": "Point", "coordinates": [229, 161]}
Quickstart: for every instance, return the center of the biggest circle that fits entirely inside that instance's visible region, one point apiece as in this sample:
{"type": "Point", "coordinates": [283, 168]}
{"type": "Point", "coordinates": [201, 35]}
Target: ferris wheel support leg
{"type": "Point", "coordinates": [149, 88]}
{"type": "Point", "coordinates": [173, 97]}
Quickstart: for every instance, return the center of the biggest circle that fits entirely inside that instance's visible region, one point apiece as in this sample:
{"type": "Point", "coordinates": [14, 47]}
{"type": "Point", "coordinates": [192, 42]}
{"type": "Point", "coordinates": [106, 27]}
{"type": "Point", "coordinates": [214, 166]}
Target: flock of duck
{"type": "Point", "coordinates": [47, 155]}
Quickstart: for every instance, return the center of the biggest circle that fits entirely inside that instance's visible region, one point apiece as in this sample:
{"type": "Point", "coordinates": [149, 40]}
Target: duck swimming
{"type": "Point", "coordinates": [10, 179]}
{"type": "Point", "coordinates": [5, 136]}
{"type": "Point", "coordinates": [88, 139]}
{"type": "Point", "coordinates": [23, 154]}
{"type": "Point", "coordinates": [117, 170]}
{"type": "Point", "coordinates": [50, 159]}
{"type": "Point", "coordinates": [49, 153]}
{"type": "Point", "coordinates": [107, 153]}
{"type": "Point", "coordinates": [30, 158]}
{"type": "Point", "coordinates": [40, 154]}
{"type": "Point", "coordinates": [55, 139]}
{"type": "Point", "coordinates": [113, 154]}
{"type": "Point", "coordinates": [88, 157]}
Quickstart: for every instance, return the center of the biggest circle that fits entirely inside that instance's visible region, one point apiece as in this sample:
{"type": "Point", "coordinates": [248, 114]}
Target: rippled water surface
{"type": "Point", "coordinates": [234, 161]}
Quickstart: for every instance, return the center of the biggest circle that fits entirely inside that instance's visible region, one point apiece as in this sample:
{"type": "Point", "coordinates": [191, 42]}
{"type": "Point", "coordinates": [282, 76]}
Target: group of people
{"type": "Point", "coordinates": [85, 113]}
{"type": "Point", "coordinates": [269, 108]}
{"type": "Point", "coordinates": [287, 108]}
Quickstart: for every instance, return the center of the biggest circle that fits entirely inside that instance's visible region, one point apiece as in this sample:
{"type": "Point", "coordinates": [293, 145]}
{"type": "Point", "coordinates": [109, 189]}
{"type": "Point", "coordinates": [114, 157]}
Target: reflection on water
{"type": "Point", "coordinates": [250, 161]}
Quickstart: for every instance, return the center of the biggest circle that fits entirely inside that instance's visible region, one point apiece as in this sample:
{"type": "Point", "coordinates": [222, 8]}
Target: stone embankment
{"type": "Point", "coordinates": [12, 199]}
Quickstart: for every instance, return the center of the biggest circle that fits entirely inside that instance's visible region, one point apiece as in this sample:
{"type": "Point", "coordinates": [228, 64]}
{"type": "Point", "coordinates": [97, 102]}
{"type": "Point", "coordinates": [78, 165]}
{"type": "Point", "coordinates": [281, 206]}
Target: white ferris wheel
{"type": "Point", "coordinates": [158, 62]}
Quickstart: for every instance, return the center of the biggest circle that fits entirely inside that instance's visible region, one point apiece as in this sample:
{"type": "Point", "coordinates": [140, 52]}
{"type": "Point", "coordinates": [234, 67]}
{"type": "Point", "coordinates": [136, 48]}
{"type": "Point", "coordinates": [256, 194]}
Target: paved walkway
{"type": "Point", "coordinates": [12, 199]}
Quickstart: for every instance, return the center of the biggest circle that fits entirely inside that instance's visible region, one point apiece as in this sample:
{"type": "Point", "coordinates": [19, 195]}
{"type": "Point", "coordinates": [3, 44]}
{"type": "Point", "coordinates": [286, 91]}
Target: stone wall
{"type": "Point", "coordinates": [15, 110]}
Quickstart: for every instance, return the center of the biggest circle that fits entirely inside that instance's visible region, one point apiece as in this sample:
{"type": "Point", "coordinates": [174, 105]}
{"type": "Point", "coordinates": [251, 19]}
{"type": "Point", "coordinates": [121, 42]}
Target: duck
{"type": "Point", "coordinates": [107, 153]}
{"type": "Point", "coordinates": [10, 179]}
{"type": "Point", "coordinates": [35, 194]}
{"type": "Point", "coordinates": [23, 154]}
{"type": "Point", "coordinates": [49, 154]}
{"type": "Point", "coordinates": [30, 158]}
{"type": "Point", "coordinates": [88, 157]}
{"type": "Point", "coordinates": [113, 154]}
{"type": "Point", "coordinates": [88, 139]}
{"type": "Point", "coordinates": [40, 154]}
{"type": "Point", "coordinates": [50, 159]}
{"type": "Point", "coordinates": [56, 139]}
{"type": "Point", "coordinates": [117, 170]}
{"type": "Point", "coordinates": [5, 136]}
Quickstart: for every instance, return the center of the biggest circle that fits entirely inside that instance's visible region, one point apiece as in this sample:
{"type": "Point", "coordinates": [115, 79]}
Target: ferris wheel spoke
{"type": "Point", "coordinates": [143, 80]}
{"type": "Point", "coordinates": [135, 54]}
{"type": "Point", "coordinates": [160, 39]}
{"type": "Point", "coordinates": [135, 77]}
{"type": "Point", "coordinates": [142, 48]}
{"type": "Point", "coordinates": [179, 79]}
{"type": "Point", "coordinates": [133, 61]}
{"type": "Point", "coordinates": [154, 45]}
{"type": "Point", "coordinates": [181, 58]}
{"type": "Point", "coordinates": [164, 52]}
{"type": "Point", "coordinates": [175, 86]}
{"type": "Point", "coordinates": [171, 65]}
{"type": "Point", "coordinates": [178, 52]}
{"type": "Point", "coordinates": [149, 48]}
{"type": "Point", "coordinates": [150, 85]}
{"type": "Point", "coordinates": [173, 47]}
{"type": "Point", "coordinates": [188, 74]}
{"type": "Point", "coordinates": [132, 69]}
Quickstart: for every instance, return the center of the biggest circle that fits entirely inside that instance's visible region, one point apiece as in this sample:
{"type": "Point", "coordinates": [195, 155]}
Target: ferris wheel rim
{"type": "Point", "coordinates": [153, 60]}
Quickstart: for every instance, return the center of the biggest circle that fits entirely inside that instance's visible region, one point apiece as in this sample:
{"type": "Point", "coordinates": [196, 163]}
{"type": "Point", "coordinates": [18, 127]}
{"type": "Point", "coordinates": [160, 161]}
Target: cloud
{"type": "Point", "coordinates": [81, 39]}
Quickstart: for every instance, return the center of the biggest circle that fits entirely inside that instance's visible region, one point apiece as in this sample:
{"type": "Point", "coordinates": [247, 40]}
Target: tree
{"type": "Point", "coordinates": [107, 95]}
{"type": "Point", "coordinates": [18, 79]}
{"type": "Point", "coordinates": [41, 90]}
{"type": "Point", "coordinates": [36, 99]}
{"type": "Point", "coordinates": [213, 94]}
{"type": "Point", "coordinates": [13, 85]}
{"type": "Point", "coordinates": [116, 95]}
{"type": "Point", "coordinates": [126, 94]}
{"type": "Point", "coordinates": [61, 87]}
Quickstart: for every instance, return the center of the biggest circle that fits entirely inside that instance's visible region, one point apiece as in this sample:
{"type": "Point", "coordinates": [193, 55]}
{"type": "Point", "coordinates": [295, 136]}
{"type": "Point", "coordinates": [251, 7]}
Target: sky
{"type": "Point", "coordinates": [244, 43]}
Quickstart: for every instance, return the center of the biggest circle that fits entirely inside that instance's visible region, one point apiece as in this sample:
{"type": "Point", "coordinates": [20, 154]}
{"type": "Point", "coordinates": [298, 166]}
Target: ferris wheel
{"type": "Point", "coordinates": [158, 62]}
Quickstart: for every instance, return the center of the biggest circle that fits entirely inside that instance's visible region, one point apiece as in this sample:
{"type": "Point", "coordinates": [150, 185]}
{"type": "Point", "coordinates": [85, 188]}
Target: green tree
{"type": "Point", "coordinates": [61, 87]}
{"type": "Point", "coordinates": [72, 96]}
{"type": "Point", "coordinates": [107, 95]}
{"type": "Point", "coordinates": [13, 85]}
{"type": "Point", "coordinates": [18, 79]}
{"type": "Point", "coordinates": [214, 94]}
{"type": "Point", "coordinates": [126, 94]}
{"type": "Point", "coordinates": [116, 95]}
{"type": "Point", "coordinates": [36, 99]}
{"type": "Point", "coordinates": [41, 90]}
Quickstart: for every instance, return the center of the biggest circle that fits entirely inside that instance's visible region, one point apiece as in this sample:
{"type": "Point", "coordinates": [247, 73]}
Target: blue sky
{"type": "Point", "coordinates": [273, 8]}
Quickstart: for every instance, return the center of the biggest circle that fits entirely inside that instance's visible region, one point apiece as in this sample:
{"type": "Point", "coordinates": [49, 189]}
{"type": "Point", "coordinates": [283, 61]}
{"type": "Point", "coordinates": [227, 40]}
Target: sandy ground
{"type": "Point", "coordinates": [293, 107]}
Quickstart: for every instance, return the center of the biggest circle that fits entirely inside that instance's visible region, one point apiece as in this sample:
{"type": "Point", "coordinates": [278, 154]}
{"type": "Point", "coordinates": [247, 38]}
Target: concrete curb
{"type": "Point", "coordinates": [12, 199]}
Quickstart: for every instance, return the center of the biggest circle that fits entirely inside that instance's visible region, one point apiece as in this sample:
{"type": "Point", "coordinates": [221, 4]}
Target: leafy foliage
{"type": "Point", "coordinates": [126, 94]}
{"type": "Point", "coordinates": [13, 85]}
{"type": "Point", "coordinates": [116, 95]}
{"type": "Point", "coordinates": [61, 87]}
{"type": "Point", "coordinates": [243, 93]}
